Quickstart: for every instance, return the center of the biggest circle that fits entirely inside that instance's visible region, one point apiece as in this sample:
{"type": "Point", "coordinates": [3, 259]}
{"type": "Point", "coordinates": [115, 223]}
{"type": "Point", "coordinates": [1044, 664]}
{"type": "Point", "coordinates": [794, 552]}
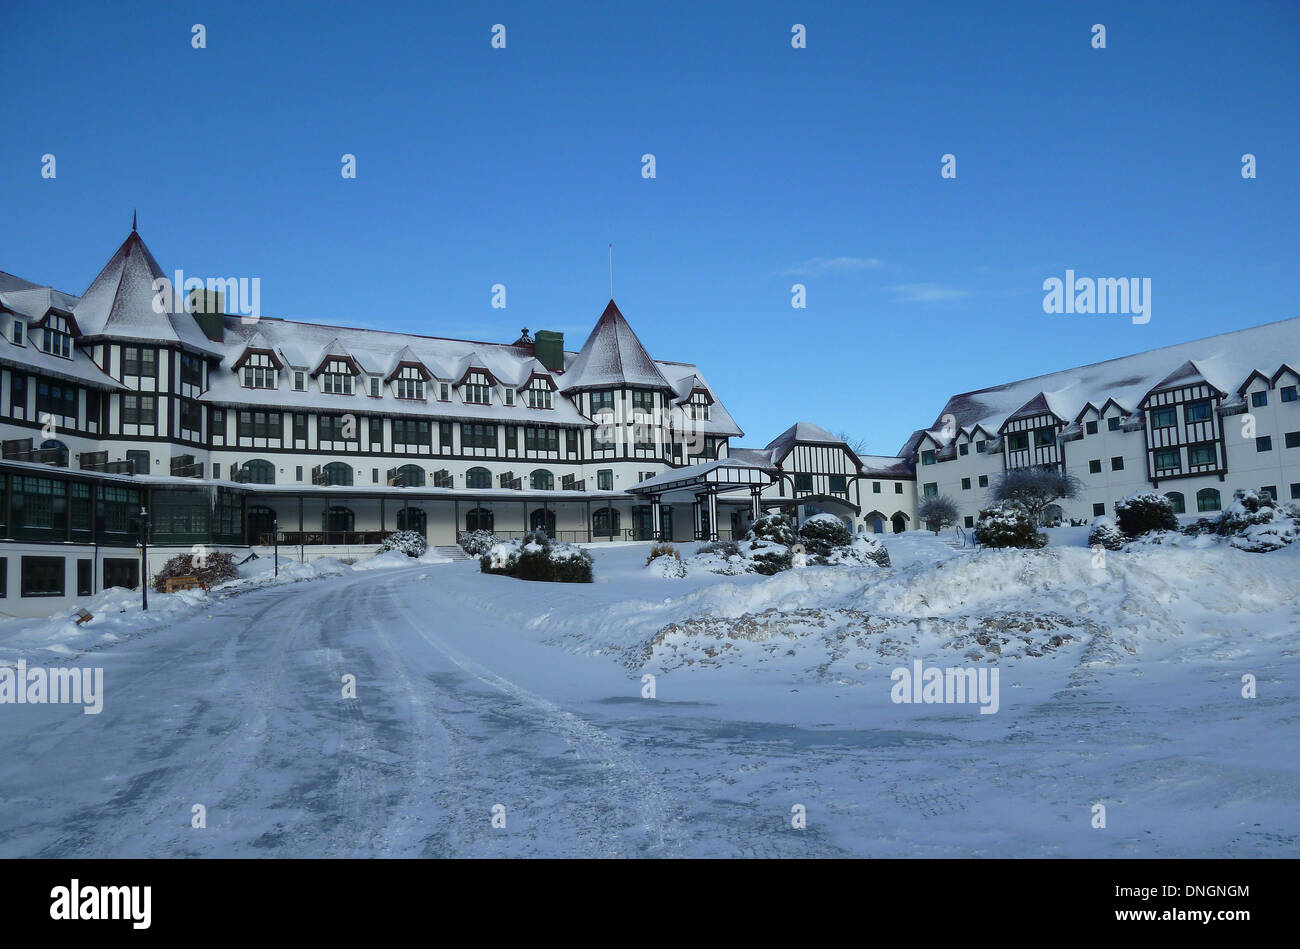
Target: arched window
{"type": "Point", "coordinates": [258, 471]}
{"type": "Point", "coordinates": [1207, 499]}
{"type": "Point", "coordinates": [605, 522]}
{"type": "Point", "coordinates": [338, 473]}
{"type": "Point", "coordinates": [58, 446]}
{"type": "Point", "coordinates": [542, 520]}
{"type": "Point", "coordinates": [412, 476]}
{"type": "Point", "coordinates": [541, 480]}
{"type": "Point", "coordinates": [899, 522]}
{"type": "Point", "coordinates": [337, 519]}
{"type": "Point", "coordinates": [1180, 506]}
{"type": "Point", "coordinates": [478, 478]}
{"type": "Point", "coordinates": [261, 525]}
{"type": "Point", "coordinates": [478, 519]}
{"type": "Point", "coordinates": [413, 519]}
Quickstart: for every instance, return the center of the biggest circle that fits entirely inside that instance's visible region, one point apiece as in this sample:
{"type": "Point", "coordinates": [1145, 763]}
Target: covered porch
{"type": "Point", "coordinates": [700, 486]}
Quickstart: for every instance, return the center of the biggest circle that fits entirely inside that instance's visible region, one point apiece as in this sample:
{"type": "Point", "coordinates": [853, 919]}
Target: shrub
{"type": "Point", "coordinates": [540, 558]}
{"type": "Point", "coordinates": [862, 550]}
{"type": "Point", "coordinates": [823, 532]}
{"type": "Point", "coordinates": [720, 548]}
{"type": "Point", "coordinates": [937, 512]}
{"type": "Point", "coordinates": [774, 528]}
{"type": "Point", "coordinates": [408, 542]}
{"type": "Point", "coordinates": [1105, 532]}
{"type": "Point", "coordinates": [1255, 522]}
{"type": "Point", "coordinates": [1034, 489]}
{"type": "Point", "coordinates": [477, 543]}
{"type": "Point", "coordinates": [1009, 524]}
{"type": "Point", "coordinates": [502, 558]}
{"type": "Point", "coordinates": [1145, 511]}
{"type": "Point", "coordinates": [217, 568]}
{"type": "Point", "coordinates": [768, 558]}
{"type": "Point", "coordinates": [662, 550]}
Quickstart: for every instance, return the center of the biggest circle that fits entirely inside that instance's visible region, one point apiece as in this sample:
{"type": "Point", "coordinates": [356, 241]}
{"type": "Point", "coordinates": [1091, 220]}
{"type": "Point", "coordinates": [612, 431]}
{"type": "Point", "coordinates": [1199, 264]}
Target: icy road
{"type": "Point", "coordinates": [476, 732]}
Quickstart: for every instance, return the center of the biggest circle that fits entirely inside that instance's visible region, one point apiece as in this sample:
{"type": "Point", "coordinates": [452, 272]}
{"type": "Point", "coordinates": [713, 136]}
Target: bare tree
{"type": "Point", "coordinates": [1035, 488]}
{"type": "Point", "coordinates": [937, 512]}
{"type": "Point", "coordinates": [856, 445]}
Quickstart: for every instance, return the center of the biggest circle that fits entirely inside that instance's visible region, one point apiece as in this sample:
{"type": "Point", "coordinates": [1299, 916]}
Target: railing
{"type": "Point", "coordinates": [322, 538]}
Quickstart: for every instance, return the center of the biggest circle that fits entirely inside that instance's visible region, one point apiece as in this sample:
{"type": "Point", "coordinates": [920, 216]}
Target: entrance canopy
{"type": "Point", "coordinates": [724, 474]}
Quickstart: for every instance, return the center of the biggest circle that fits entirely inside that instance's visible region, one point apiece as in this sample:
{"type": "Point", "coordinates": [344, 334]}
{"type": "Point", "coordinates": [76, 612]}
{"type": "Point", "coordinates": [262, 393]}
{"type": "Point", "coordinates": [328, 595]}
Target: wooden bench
{"type": "Point", "coordinates": [172, 584]}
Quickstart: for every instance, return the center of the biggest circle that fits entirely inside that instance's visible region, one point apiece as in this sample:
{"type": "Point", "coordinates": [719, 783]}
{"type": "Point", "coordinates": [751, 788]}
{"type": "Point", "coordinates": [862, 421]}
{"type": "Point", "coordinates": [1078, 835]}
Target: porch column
{"type": "Point", "coordinates": [713, 515]}
{"type": "Point", "coordinates": [699, 525]}
{"type": "Point", "coordinates": [381, 515]}
{"type": "Point", "coordinates": [754, 494]}
{"type": "Point", "coordinates": [656, 518]}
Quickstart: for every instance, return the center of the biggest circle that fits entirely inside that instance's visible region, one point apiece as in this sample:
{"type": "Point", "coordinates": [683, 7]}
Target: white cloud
{"type": "Point", "coordinates": [819, 266]}
{"type": "Point", "coordinates": [927, 292]}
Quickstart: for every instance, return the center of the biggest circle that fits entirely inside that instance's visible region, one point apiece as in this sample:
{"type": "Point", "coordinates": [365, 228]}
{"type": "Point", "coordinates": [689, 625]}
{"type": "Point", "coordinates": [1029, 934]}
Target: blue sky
{"type": "Point", "coordinates": [820, 166]}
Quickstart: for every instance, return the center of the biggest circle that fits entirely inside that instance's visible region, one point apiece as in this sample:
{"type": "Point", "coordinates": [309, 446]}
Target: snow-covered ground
{"type": "Point", "coordinates": [1120, 684]}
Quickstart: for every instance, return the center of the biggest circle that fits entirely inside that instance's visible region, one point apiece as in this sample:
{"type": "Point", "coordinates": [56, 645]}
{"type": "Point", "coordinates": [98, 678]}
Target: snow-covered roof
{"type": "Point", "coordinates": [803, 433]}
{"type": "Point", "coordinates": [721, 472]}
{"type": "Point", "coordinates": [613, 357]}
{"type": "Point", "coordinates": [1224, 361]}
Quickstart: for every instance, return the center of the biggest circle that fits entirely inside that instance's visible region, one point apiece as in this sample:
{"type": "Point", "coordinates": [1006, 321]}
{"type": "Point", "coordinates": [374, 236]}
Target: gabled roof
{"type": "Point", "coordinates": [406, 356]}
{"type": "Point", "coordinates": [1038, 405]}
{"type": "Point", "coordinates": [805, 433]}
{"type": "Point", "coordinates": [613, 357]}
{"type": "Point", "coordinates": [259, 343]}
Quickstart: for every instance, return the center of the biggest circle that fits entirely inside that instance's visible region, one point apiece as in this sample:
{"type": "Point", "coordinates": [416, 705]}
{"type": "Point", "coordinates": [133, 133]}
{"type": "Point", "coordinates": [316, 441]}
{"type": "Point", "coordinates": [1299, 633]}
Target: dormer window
{"type": "Point", "coordinates": [539, 395]}
{"type": "Point", "coordinates": [300, 381]}
{"type": "Point", "coordinates": [509, 396]}
{"type": "Point", "coordinates": [410, 384]}
{"type": "Point", "coordinates": [478, 389]}
{"type": "Point", "coordinates": [444, 391]}
{"type": "Point", "coordinates": [336, 379]}
{"type": "Point", "coordinates": [259, 372]}
{"type": "Point", "coordinates": [57, 340]}
{"type": "Point", "coordinates": [18, 332]}
{"type": "Point", "coordinates": [698, 406]}
{"type": "Point", "coordinates": [374, 386]}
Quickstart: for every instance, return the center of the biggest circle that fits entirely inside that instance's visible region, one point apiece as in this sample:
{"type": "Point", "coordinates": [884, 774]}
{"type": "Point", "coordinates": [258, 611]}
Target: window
{"type": "Point", "coordinates": [411, 432]}
{"type": "Point", "coordinates": [477, 389]}
{"type": "Point", "coordinates": [1292, 439]}
{"type": "Point", "coordinates": [139, 461]}
{"type": "Point", "coordinates": [336, 428]}
{"type": "Point", "coordinates": [1094, 466]}
{"type": "Point", "coordinates": [927, 457]}
{"type": "Point", "coordinates": [981, 447]}
{"type": "Point", "coordinates": [601, 401]}
{"type": "Point", "coordinates": [191, 416]}
{"type": "Point", "coordinates": [55, 398]}
{"type": "Point", "coordinates": [541, 480]}
{"type": "Point", "coordinates": [18, 334]}
{"type": "Point", "coordinates": [42, 576]}
{"type": "Point", "coordinates": [983, 482]}
{"type": "Point", "coordinates": [1264, 443]}
{"type": "Point", "coordinates": [1270, 490]}
{"type": "Point", "coordinates": [478, 519]}
{"type": "Point", "coordinates": [338, 519]}
{"type": "Point", "coordinates": [643, 401]}
{"type": "Point", "coordinates": [376, 433]}
{"type": "Point", "coordinates": [605, 522]}
{"type": "Point", "coordinates": [1098, 509]}
{"type": "Point", "coordinates": [803, 482]}
{"type": "Point", "coordinates": [139, 409]}
{"type": "Point", "coordinates": [968, 521]}
{"type": "Point", "coordinates": [1091, 427]}
{"type": "Point", "coordinates": [478, 478]}
{"type": "Point", "coordinates": [965, 484]}
{"type": "Point", "coordinates": [508, 395]}
{"type": "Point", "coordinates": [85, 577]}
{"type": "Point", "coordinates": [260, 425]}
{"type": "Point", "coordinates": [541, 439]}
{"type": "Point", "coordinates": [1017, 441]}
{"type": "Point", "coordinates": [1112, 423]}
{"type": "Point", "coordinates": [1259, 399]}
{"type": "Point", "coordinates": [1207, 499]}
{"type": "Point", "coordinates": [1202, 454]}
{"type": "Point", "coordinates": [1198, 411]}
{"type": "Point", "coordinates": [539, 396]}
{"type": "Point", "coordinates": [930, 490]}
{"type": "Point", "coordinates": [699, 406]}
{"type": "Point", "coordinates": [139, 361]}
{"type": "Point", "coordinates": [1288, 394]}
{"type": "Point", "coordinates": [412, 476]}
{"type": "Point", "coordinates": [875, 487]}
{"type": "Point", "coordinates": [1117, 463]}
{"type": "Point", "coordinates": [121, 572]}
{"type": "Point", "coordinates": [1044, 437]}
{"type": "Point", "coordinates": [605, 480]}
{"type": "Point", "coordinates": [337, 377]}
{"type": "Point", "coordinates": [336, 472]}
{"type": "Point", "coordinates": [1295, 493]}
{"type": "Point", "coordinates": [898, 487]}
{"type": "Point", "coordinates": [300, 426]}
{"type": "Point", "coordinates": [17, 394]}
{"type": "Point", "coordinates": [839, 484]}
{"type": "Point", "coordinates": [298, 472]}
{"type": "Point", "coordinates": [1177, 500]}
{"type": "Point", "coordinates": [259, 372]}
{"type": "Point", "coordinates": [444, 391]}
{"type": "Point", "coordinates": [258, 471]}
{"type": "Point", "coordinates": [474, 435]}
{"type": "Point", "coordinates": [374, 387]}
{"type": "Point", "coordinates": [1166, 417]}
{"type": "Point", "coordinates": [963, 449]}
{"type": "Point", "coordinates": [57, 341]}
{"type": "Point", "coordinates": [1168, 459]}
{"type": "Point", "coordinates": [374, 475]}
{"type": "Point", "coordinates": [410, 384]}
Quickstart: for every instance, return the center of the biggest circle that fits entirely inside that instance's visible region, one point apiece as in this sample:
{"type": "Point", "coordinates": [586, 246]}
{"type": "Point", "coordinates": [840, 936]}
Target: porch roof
{"type": "Point", "coordinates": [722, 474]}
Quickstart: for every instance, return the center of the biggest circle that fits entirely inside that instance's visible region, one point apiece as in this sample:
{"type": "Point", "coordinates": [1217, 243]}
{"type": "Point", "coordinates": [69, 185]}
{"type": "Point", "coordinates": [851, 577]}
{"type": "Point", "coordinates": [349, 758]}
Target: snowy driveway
{"type": "Point", "coordinates": [463, 705]}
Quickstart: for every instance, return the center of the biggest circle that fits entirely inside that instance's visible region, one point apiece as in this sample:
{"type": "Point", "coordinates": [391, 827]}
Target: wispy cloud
{"type": "Point", "coordinates": [927, 292]}
{"type": "Point", "coordinates": [819, 266]}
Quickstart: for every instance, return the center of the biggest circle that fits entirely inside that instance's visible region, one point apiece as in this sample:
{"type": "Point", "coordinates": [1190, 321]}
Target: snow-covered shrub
{"type": "Point", "coordinates": [1034, 488]}
{"type": "Point", "coordinates": [669, 567]}
{"type": "Point", "coordinates": [502, 557]}
{"type": "Point", "coordinates": [1145, 511]}
{"type": "Point", "coordinates": [823, 532]}
{"type": "Point", "coordinates": [1106, 532]}
{"type": "Point", "coordinates": [721, 557]}
{"type": "Point", "coordinates": [217, 568]}
{"type": "Point", "coordinates": [541, 558]}
{"type": "Point", "coordinates": [860, 551]}
{"type": "Point", "coordinates": [774, 528]}
{"type": "Point", "coordinates": [1255, 523]}
{"type": "Point", "coordinates": [662, 550]}
{"type": "Point", "coordinates": [767, 558]}
{"type": "Point", "coordinates": [410, 543]}
{"type": "Point", "coordinates": [477, 543]}
{"type": "Point", "coordinates": [1008, 524]}
{"type": "Point", "coordinates": [721, 548]}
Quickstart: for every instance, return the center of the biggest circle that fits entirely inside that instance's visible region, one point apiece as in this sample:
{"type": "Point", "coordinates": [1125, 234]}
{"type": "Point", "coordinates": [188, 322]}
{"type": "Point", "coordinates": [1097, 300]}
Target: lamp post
{"type": "Point", "coordinates": [275, 539]}
{"type": "Point", "coordinates": [144, 557]}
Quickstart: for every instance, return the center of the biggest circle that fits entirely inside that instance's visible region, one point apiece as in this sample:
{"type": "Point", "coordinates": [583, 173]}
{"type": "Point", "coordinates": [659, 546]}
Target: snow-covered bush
{"type": "Point", "coordinates": [1009, 524]}
{"type": "Point", "coordinates": [541, 558]}
{"type": "Point", "coordinates": [1106, 532]}
{"type": "Point", "coordinates": [1145, 511]}
{"type": "Point", "coordinates": [860, 551]}
{"type": "Point", "coordinates": [1254, 522]}
{"type": "Point", "coordinates": [767, 558]}
{"type": "Point", "coordinates": [823, 532]}
{"type": "Point", "coordinates": [502, 557]}
{"type": "Point", "coordinates": [662, 550]}
{"type": "Point", "coordinates": [477, 543]}
{"type": "Point", "coordinates": [1033, 489]}
{"type": "Point", "coordinates": [217, 568]}
{"type": "Point", "coordinates": [669, 567]}
{"type": "Point", "coordinates": [410, 543]}
{"type": "Point", "coordinates": [774, 528]}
